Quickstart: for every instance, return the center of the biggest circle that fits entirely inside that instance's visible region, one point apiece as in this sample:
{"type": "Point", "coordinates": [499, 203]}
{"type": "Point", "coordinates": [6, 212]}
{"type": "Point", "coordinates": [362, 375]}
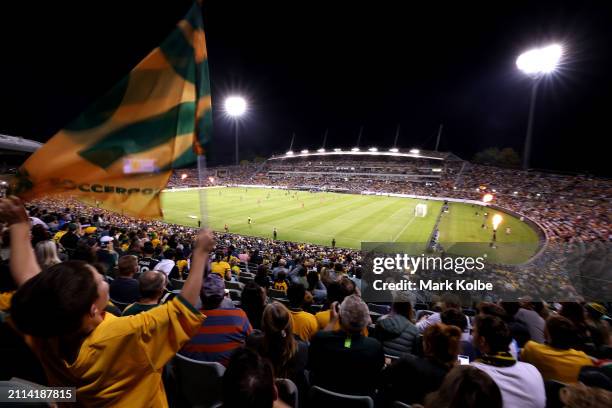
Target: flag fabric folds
{"type": "Point", "coordinates": [122, 149]}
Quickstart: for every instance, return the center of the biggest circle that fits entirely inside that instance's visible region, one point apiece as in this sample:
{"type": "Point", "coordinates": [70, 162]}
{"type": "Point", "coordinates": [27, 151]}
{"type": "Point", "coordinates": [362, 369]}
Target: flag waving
{"type": "Point", "coordinates": [122, 149]}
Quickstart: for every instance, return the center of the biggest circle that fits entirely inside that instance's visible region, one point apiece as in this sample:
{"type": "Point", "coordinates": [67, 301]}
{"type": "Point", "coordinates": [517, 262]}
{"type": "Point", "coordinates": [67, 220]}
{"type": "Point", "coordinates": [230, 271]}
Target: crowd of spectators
{"type": "Point", "coordinates": [212, 298]}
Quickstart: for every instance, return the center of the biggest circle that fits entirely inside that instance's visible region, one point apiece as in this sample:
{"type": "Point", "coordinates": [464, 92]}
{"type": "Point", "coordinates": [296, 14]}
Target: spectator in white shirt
{"type": "Point", "coordinates": [521, 384]}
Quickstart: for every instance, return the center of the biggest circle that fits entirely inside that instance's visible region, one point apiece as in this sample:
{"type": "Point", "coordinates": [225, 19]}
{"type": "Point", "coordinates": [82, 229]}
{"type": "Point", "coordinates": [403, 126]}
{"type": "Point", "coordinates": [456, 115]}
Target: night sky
{"type": "Point", "coordinates": [310, 66]}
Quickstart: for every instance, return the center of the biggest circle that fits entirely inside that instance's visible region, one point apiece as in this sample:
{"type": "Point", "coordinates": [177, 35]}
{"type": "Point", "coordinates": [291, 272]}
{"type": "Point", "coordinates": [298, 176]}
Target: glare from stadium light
{"type": "Point", "coordinates": [183, 176]}
{"type": "Point", "coordinates": [321, 150]}
{"type": "Point", "coordinates": [372, 149]}
{"type": "Point", "coordinates": [235, 106]}
{"type": "Point", "coordinates": [540, 60]}
{"type": "Point", "coordinates": [355, 149]}
{"type": "Point", "coordinates": [305, 151]}
{"type": "Point", "coordinates": [289, 152]}
{"type": "Point", "coordinates": [436, 170]}
{"type": "Point", "coordinates": [394, 150]}
{"type": "Point", "coordinates": [415, 151]}
{"type": "Point", "coordinates": [211, 179]}
{"type": "Point", "coordinates": [497, 219]}
{"type": "Point", "coordinates": [487, 198]}
{"type": "Point", "coordinates": [337, 150]}
{"type": "Point", "coordinates": [516, 192]}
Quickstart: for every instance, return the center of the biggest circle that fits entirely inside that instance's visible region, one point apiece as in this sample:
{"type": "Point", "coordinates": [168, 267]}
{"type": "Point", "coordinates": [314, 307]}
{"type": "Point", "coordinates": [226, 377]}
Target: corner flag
{"type": "Point", "coordinates": [122, 149]}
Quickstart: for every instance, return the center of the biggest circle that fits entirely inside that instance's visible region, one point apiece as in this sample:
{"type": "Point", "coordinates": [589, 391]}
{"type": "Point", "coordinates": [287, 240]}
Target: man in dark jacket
{"type": "Point", "coordinates": [345, 361]}
{"type": "Point", "coordinates": [396, 331]}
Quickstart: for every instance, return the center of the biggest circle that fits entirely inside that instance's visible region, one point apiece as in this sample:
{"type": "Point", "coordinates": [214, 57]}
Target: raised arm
{"type": "Point", "coordinates": [192, 286]}
{"type": "Point", "coordinates": [23, 261]}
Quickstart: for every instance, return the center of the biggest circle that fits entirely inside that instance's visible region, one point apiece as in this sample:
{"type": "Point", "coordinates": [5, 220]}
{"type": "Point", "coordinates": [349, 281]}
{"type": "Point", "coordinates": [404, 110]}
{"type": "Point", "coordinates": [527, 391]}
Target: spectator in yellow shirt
{"type": "Point", "coordinates": [111, 361]}
{"type": "Point", "coordinates": [557, 360]}
{"type": "Point", "coordinates": [219, 266]}
{"type": "Point", "coordinates": [304, 324]}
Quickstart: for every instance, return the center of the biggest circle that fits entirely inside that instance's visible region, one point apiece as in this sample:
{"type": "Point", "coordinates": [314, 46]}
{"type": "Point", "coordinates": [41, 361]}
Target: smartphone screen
{"type": "Point", "coordinates": [463, 360]}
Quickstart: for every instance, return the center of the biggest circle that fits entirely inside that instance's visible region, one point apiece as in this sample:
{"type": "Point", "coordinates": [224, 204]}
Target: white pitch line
{"type": "Point", "coordinates": [403, 229]}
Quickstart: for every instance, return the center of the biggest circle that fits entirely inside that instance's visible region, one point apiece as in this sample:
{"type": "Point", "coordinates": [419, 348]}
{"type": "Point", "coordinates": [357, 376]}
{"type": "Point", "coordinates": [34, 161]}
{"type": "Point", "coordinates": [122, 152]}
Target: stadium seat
{"type": "Point", "coordinates": [234, 285]}
{"type": "Point", "coordinates": [245, 279]}
{"type": "Point", "coordinates": [276, 294]}
{"type": "Point", "coordinates": [320, 397]}
{"type": "Point", "coordinates": [108, 279]}
{"type": "Point", "coordinates": [120, 305]}
{"type": "Point", "coordinates": [198, 382]}
{"type": "Point", "coordinates": [399, 404]}
{"type": "Point", "coordinates": [235, 294]}
{"type": "Point", "coordinates": [374, 316]}
{"type": "Point", "coordinates": [595, 377]}
{"type": "Point", "coordinates": [177, 283]}
{"type": "Point", "coordinates": [288, 392]}
{"type": "Point", "coordinates": [380, 309]}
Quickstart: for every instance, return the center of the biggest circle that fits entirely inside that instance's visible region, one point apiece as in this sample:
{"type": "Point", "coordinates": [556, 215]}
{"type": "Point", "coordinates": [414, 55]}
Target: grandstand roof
{"type": "Point", "coordinates": [18, 144]}
{"type": "Point", "coordinates": [412, 153]}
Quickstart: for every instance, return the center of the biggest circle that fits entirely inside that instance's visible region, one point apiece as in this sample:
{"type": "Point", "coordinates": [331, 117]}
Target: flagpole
{"type": "Point", "coordinates": [201, 190]}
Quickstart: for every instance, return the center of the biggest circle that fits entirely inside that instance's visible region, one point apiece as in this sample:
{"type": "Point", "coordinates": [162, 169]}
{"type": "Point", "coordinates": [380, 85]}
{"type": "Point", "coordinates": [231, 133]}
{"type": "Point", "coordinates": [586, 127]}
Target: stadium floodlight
{"type": "Point", "coordinates": [394, 150]}
{"type": "Point", "coordinates": [487, 198]}
{"type": "Point", "coordinates": [337, 150]}
{"type": "Point", "coordinates": [372, 149]}
{"type": "Point", "coordinates": [536, 63]}
{"type": "Point", "coordinates": [321, 150]}
{"type": "Point", "coordinates": [183, 176]}
{"type": "Point", "coordinates": [415, 151]}
{"type": "Point", "coordinates": [235, 107]}
{"type": "Point", "coordinates": [540, 60]}
{"type": "Point", "coordinates": [289, 153]}
{"type": "Point", "coordinates": [355, 149]}
{"type": "Point", "coordinates": [305, 151]}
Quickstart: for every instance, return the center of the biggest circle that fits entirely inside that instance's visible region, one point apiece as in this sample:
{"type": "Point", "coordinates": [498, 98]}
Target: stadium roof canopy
{"type": "Point", "coordinates": [373, 152]}
{"type": "Point", "coordinates": [19, 144]}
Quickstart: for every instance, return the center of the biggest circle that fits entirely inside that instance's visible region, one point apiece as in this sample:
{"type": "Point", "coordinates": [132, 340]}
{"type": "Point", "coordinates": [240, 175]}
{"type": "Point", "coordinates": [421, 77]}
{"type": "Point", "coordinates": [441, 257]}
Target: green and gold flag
{"type": "Point", "coordinates": [121, 151]}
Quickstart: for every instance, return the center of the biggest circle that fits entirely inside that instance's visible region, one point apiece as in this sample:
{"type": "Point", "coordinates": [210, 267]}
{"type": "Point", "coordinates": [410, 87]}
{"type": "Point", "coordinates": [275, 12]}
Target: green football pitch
{"type": "Point", "coordinates": [351, 219]}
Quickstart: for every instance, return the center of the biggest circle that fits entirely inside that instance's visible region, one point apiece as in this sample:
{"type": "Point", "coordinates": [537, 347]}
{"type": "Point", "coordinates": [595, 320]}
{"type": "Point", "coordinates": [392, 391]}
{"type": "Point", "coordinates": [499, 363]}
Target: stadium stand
{"type": "Point", "coordinates": [571, 209]}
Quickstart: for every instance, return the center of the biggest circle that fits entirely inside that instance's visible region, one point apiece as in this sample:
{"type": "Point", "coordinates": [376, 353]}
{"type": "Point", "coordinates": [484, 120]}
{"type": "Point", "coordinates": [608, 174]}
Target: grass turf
{"type": "Point", "coordinates": [349, 218]}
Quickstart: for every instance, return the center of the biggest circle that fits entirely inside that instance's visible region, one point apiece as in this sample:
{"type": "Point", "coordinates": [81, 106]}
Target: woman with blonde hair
{"type": "Point", "coordinates": [277, 343]}
{"type": "Point", "coordinates": [46, 254]}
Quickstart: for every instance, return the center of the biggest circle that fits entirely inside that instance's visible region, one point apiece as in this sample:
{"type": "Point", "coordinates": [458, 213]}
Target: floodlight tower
{"type": "Point", "coordinates": [537, 63]}
{"type": "Point", "coordinates": [235, 107]}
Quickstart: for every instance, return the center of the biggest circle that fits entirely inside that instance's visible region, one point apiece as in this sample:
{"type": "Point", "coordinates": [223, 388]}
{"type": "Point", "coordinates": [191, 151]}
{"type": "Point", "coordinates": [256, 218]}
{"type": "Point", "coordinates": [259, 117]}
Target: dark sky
{"type": "Point", "coordinates": [308, 66]}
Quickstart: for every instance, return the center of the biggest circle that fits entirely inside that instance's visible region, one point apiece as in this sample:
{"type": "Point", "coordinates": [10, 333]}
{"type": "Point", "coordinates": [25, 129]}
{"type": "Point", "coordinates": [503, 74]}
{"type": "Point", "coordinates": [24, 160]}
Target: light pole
{"type": "Point", "coordinates": [235, 107]}
{"type": "Point", "coordinates": [536, 63]}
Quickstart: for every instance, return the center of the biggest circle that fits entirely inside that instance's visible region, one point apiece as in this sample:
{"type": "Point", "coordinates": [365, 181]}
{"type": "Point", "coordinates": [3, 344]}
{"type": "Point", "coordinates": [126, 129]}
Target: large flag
{"type": "Point", "coordinates": [121, 151]}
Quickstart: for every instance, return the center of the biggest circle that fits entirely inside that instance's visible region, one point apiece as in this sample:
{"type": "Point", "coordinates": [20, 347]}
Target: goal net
{"type": "Point", "coordinates": [420, 210]}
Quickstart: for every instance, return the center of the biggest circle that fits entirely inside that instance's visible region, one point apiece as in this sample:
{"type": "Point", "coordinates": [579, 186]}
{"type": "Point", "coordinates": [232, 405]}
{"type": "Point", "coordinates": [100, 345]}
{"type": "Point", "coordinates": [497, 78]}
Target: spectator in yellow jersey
{"type": "Point", "coordinates": [111, 361]}
{"type": "Point", "coordinates": [304, 324]}
{"type": "Point", "coordinates": [219, 266]}
{"type": "Point", "coordinates": [281, 283]}
{"type": "Point", "coordinates": [557, 360]}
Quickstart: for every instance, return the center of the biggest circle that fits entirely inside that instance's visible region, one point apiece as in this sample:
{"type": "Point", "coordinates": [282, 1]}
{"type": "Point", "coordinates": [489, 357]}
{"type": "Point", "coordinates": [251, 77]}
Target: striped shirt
{"type": "Point", "coordinates": [223, 331]}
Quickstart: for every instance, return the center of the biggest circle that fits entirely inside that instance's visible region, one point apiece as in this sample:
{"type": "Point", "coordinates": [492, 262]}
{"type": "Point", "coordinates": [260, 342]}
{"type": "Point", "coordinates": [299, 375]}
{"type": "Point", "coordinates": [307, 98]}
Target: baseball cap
{"type": "Point", "coordinates": [213, 286]}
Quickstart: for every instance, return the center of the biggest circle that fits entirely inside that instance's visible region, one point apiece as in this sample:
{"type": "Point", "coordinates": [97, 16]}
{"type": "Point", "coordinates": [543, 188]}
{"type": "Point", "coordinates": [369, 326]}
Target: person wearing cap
{"type": "Point", "coordinates": [598, 324]}
{"type": "Point", "coordinates": [225, 329]}
{"type": "Point", "coordinates": [106, 254]}
{"type": "Point", "coordinates": [345, 360]}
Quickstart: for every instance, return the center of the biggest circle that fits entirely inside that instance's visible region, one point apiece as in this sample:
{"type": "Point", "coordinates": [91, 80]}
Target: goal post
{"type": "Point", "coordinates": [420, 210]}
